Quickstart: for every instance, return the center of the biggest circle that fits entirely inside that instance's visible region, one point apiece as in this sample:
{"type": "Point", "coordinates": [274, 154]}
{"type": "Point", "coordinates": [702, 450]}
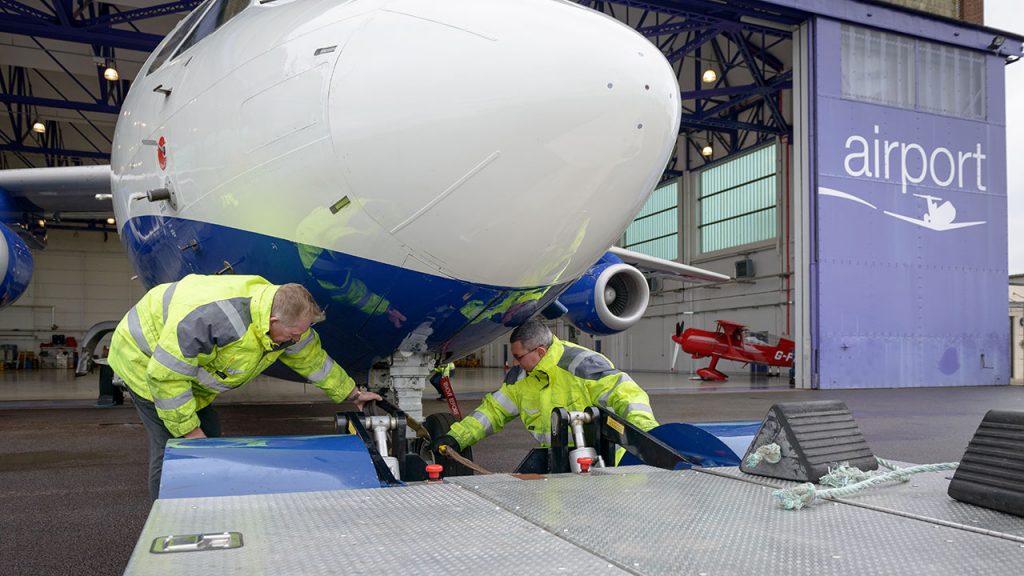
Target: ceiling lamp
{"type": "Point", "coordinates": [111, 221]}
{"type": "Point", "coordinates": [111, 74]}
{"type": "Point", "coordinates": [707, 151]}
{"type": "Point", "coordinates": [709, 76]}
{"type": "Point", "coordinates": [38, 127]}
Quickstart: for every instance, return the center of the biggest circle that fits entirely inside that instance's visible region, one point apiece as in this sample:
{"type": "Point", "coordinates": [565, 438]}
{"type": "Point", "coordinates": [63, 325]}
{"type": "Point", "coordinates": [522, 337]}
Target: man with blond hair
{"type": "Point", "coordinates": [188, 341]}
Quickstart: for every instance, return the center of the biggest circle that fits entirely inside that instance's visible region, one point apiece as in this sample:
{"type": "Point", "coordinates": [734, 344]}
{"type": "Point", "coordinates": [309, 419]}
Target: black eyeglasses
{"type": "Point", "coordinates": [520, 357]}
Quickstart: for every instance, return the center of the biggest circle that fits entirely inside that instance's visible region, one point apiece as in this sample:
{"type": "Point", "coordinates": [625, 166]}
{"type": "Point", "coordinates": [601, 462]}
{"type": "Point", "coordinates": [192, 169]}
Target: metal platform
{"type": "Point", "coordinates": [641, 522]}
{"type": "Point", "coordinates": [924, 497]}
{"type": "Point", "coordinates": [427, 529]}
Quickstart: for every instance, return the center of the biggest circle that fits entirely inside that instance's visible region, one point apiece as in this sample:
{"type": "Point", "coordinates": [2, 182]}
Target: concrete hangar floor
{"type": "Point", "coordinates": [73, 477]}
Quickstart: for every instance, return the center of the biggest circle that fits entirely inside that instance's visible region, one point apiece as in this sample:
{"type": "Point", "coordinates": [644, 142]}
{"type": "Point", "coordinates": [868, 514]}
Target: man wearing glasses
{"type": "Point", "coordinates": [551, 374]}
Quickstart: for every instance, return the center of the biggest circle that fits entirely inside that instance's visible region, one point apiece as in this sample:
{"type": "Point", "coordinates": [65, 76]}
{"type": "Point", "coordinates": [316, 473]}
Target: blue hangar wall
{"type": "Point", "coordinates": [909, 218]}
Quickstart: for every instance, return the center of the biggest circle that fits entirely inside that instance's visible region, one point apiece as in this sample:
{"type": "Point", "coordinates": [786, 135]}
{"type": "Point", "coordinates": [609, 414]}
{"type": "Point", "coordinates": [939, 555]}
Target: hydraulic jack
{"type": "Point", "coordinates": [386, 442]}
{"type": "Point", "coordinates": [596, 434]}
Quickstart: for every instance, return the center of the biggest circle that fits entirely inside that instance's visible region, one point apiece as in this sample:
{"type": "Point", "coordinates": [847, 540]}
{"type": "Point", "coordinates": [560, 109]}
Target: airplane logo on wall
{"type": "Point", "coordinates": [939, 216]}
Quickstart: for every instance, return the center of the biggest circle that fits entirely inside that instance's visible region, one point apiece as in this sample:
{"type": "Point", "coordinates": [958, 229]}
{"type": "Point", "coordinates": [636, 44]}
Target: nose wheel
{"type": "Point", "coordinates": [438, 425]}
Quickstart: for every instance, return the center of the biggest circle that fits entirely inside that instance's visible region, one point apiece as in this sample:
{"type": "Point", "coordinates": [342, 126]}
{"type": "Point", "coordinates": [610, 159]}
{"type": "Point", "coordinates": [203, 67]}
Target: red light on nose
{"type": "Point", "coordinates": [161, 153]}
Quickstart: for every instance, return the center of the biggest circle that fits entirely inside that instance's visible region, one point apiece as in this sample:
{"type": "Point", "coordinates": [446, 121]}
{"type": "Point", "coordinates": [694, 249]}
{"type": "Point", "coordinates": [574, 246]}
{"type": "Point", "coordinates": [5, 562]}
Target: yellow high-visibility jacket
{"type": "Point", "coordinates": [568, 376]}
{"type": "Point", "coordinates": [188, 341]}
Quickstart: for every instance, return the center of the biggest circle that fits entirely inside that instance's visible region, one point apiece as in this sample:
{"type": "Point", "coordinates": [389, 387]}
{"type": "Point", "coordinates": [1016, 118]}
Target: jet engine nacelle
{"type": "Point", "coordinates": [609, 298]}
{"type": "Point", "coordinates": [16, 263]}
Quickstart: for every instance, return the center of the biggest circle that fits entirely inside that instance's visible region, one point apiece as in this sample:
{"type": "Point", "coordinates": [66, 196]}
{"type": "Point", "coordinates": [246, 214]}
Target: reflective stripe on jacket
{"type": "Point", "coordinates": [188, 341]}
{"type": "Point", "coordinates": [568, 376]}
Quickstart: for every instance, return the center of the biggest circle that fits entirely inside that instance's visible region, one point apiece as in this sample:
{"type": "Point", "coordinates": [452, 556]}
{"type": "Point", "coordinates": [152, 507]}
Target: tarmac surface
{"type": "Point", "coordinates": [73, 477]}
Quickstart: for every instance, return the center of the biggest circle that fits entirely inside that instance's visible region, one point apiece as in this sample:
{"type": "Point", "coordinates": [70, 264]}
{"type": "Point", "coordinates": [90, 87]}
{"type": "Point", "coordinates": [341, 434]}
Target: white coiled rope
{"type": "Point", "coordinates": [805, 494]}
{"type": "Point", "coordinates": [843, 479]}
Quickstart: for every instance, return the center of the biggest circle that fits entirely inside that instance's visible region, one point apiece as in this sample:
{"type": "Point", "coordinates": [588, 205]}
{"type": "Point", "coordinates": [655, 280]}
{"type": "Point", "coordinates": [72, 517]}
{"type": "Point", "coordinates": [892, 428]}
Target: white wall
{"type": "Point", "coordinates": [758, 303]}
{"type": "Point", "coordinates": [81, 278]}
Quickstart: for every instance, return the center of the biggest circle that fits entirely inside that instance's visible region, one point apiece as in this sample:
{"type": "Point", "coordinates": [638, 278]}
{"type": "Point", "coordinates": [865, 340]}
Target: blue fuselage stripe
{"type": "Point", "coordinates": [372, 308]}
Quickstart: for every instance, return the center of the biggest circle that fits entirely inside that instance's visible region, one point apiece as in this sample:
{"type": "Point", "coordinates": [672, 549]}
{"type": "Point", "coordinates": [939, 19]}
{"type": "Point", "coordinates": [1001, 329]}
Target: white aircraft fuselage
{"type": "Point", "coordinates": [433, 171]}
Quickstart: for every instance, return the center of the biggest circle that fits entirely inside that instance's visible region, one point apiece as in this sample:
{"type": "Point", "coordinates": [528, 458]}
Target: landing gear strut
{"type": "Point", "coordinates": [405, 380]}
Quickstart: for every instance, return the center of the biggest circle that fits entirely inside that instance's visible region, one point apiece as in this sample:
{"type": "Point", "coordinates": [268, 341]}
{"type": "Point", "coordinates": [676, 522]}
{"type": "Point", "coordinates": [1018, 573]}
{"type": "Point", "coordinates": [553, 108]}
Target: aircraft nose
{"type": "Point", "coordinates": [531, 130]}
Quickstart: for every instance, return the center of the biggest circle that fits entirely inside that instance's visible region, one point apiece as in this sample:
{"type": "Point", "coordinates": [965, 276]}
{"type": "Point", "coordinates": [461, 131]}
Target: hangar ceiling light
{"type": "Point", "coordinates": [111, 74]}
{"type": "Point", "coordinates": [709, 76]}
{"type": "Point", "coordinates": [38, 127]}
{"type": "Point", "coordinates": [707, 151]}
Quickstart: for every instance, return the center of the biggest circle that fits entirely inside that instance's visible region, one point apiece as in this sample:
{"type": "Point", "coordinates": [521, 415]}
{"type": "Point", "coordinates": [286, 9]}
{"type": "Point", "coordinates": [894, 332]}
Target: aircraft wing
{"type": "Point", "coordinates": [652, 263]}
{"type": "Point", "coordinates": [67, 188]}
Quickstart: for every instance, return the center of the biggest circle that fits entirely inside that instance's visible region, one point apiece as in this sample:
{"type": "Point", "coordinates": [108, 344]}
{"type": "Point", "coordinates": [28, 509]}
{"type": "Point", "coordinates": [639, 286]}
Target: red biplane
{"type": "Point", "coordinates": [731, 341]}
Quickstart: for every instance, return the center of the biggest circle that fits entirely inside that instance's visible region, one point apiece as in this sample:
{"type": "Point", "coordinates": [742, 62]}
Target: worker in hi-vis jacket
{"type": "Point", "coordinates": [551, 374]}
{"type": "Point", "coordinates": [186, 342]}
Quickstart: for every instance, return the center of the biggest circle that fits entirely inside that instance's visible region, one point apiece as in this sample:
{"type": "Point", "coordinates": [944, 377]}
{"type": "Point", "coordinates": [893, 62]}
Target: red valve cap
{"type": "Point", "coordinates": [434, 472]}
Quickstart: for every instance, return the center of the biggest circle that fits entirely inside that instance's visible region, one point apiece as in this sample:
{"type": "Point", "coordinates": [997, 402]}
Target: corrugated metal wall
{"type": "Point", "coordinates": [655, 230]}
{"type": "Point", "coordinates": [737, 201]}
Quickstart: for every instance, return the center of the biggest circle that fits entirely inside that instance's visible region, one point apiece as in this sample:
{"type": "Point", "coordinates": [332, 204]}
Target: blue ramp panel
{"type": "Point", "coordinates": [265, 465]}
{"type": "Point", "coordinates": [714, 443]}
{"type": "Point", "coordinates": [736, 435]}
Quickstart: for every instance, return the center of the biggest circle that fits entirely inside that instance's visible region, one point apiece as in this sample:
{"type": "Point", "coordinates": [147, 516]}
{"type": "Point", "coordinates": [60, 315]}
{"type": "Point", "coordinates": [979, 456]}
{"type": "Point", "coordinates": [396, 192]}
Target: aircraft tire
{"type": "Point", "coordinates": [438, 425]}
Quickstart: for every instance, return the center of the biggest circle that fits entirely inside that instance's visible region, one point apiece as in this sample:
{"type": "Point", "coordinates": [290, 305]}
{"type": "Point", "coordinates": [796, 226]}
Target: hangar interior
{"type": "Point", "coordinates": [736, 196]}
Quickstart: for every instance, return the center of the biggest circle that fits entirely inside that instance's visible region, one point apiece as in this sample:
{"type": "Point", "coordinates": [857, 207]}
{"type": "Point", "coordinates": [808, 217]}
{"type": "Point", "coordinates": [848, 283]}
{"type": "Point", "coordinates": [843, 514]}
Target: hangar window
{"type": "Point", "coordinates": [172, 43]}
{"type": "Point", "coordinates": [913, 74]}
{"type": "Point", "coordinates": [737, 202]}
{"type": "Point", "coordinates": [952, 80]}
{"type": "Point", "coordinates": [878, 67]}
{"type": "Point", "coordinates": [655, 230]}
{"type": "Point", "coordinates": [217, 16]}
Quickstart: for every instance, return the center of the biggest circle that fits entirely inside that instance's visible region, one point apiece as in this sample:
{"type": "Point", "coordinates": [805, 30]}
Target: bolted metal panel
{"type": "Point", "coordinates": [426, 529]}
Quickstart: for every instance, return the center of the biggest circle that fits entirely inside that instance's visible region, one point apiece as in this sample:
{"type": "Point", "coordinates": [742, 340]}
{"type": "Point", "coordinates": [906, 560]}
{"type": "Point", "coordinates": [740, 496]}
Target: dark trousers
{"type": "Point", "coordinates": [435, 381]}
{"type": "Point", "coordinates": [159, 435]}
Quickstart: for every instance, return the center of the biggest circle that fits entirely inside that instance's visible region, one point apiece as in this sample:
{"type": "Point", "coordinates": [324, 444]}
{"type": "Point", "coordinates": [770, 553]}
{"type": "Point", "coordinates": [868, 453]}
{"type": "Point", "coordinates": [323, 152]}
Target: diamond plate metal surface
{"type": "Point", "coordinates": [620, 470]}
{"type": "Point", "coordinates": [411, 530]}
{"type": "Point", "coordinates": [692, 523]}
{"type": "Point", "coordinates": [924, 495]}
{"type": "Point", "coordinates": [470, 481]}
{"type": "Point", "coordinates": [735, 472]}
